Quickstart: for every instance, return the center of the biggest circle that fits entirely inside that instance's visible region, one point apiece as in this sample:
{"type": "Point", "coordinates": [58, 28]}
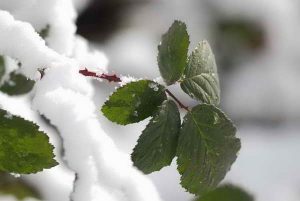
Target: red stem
{"type": "Point", "coordinates": [178, 101]}
{"type": "Point", "coordinates": [110, 78]}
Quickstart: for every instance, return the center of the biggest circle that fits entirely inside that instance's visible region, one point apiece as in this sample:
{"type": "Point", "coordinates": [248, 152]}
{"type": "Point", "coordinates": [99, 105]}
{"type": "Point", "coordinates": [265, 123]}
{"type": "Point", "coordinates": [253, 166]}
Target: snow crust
{"type": "Point", "coordinates": [64, 97]}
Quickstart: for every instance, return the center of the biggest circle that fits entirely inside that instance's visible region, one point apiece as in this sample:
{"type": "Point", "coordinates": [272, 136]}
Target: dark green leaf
{"type": "Point", "coordinates": [201, 80]}
{"type": "Point", "coordinates": [227, 193]}
{"type": "Point", "coordinates": [17, 84]}
{"type": "Point", "coordinates": [172, 52]}
{"type": "Point", "coordinates": [157, 145]}
{"type": "Point", "coordinates": [44, 33]}
{"type": "Point", "coordinates": [207, 147]}
{"type": "Point", "coordinates": [23, 148]}
{"type": "Point", "coordinates": [134, 102]}
{"type": "Point", "coordinates": [9, 185]}
{"type": "Point", "coordinates": [2, 67]}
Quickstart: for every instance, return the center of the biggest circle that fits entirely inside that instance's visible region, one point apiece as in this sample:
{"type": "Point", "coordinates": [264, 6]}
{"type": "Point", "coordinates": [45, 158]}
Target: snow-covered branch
{"type": "Point", "coordinates": [65, 98]}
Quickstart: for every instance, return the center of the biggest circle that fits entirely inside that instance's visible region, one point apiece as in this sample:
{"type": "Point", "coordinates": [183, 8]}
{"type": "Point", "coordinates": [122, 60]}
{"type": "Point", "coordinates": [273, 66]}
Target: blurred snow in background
{"type": "Point", "coordinates": [257, 46]}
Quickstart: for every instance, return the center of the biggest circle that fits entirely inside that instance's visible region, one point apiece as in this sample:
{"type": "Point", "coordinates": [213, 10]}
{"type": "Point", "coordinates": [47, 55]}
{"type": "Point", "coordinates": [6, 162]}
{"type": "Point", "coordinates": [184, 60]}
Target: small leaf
{"type": "Point", "coordinates": [23, 148]}
{"type": "Point", "coordinates": [172, 52]}
{"type": "Point", "coordinates": [157, 145]}
{"type": "Point", "coordinates": [207, 147]}
{"type": "Point", "coordinates": [9, 185]}
{"type": "Point", "coordinates": [227, 193]}
{"type": "Point", "coordinates": [201, 80]}
{"type": "Point", "coordinates": [2, 67]}
{"type": "Point", "coordinates": [134, 102]}
{"type": "Point", "coordinates": [44, 33]}
{"type": "Point", "coordinates": [17, 84]}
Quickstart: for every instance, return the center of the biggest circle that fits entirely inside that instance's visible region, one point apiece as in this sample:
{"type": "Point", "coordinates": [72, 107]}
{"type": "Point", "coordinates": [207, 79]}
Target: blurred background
{"type": "Point", "coordinates": [257, 50]}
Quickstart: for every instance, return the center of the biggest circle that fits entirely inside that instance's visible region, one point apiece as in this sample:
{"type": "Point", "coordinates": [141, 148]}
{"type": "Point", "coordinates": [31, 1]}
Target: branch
{"type": "Point", "coordinates": [176, 99]}
{"type": "Point", "coordinates": [110, 78]}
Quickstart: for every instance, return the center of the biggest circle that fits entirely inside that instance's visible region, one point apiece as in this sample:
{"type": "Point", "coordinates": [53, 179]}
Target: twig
{"type": "Point", "coordinates": [110, 78]}
{"type": "Point", "coordinates": [178, 101]}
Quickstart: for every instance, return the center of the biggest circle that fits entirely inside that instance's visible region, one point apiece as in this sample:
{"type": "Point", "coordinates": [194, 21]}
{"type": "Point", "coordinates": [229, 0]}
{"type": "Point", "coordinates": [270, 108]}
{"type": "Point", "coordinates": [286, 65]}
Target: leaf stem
{"type": "Point", "coordinates": [176, 99]}
{"type": "Point", "coordinates": [110, 78]}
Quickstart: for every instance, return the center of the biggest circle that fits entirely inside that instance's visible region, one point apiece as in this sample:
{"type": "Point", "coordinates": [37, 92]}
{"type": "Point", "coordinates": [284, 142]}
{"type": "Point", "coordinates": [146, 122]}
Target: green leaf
{"type": "Point", "coordinates": [227, 193]}
{"type": "Point", "coordinates": [44, 33]}
{"type": "Point", "coordinates": [9, 185]}
{"type": "Point", "coordinates": [157, 145]}
{"type": "Point", "coordinates": [172, 52]}
{"type": "Point", "coordinates": [134, 102]}
{"type": "Point", "coordinates": [207, 147]}
{"type": "Point", "coordinates": [17, 84]}
{"type": "Point", "coordinates": [23, 148]}
{"type": "Point", "coordinates": [201, 80]}
{"type": "Point", "coordinates": [2, 67]}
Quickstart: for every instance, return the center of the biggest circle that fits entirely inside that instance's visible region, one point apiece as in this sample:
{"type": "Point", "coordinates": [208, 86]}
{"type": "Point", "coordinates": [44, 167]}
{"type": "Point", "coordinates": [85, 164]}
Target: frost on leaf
{"type": "Point", "coordinates": [157, 145]}
{"type": "Point", "coordinates": [134, 102]}
{"type": "Point", "coordinates": [207, 147]}
{"type": "Point", "coordinates": [201, 80]}
{"type": "Point", "coordinates": [172, 52]}
{"type": "Point", "coordinates": [23, 148]}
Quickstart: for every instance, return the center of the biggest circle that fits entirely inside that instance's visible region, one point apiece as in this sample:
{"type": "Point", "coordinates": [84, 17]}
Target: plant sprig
{"type": "Point", "coordinates": [205, 143]}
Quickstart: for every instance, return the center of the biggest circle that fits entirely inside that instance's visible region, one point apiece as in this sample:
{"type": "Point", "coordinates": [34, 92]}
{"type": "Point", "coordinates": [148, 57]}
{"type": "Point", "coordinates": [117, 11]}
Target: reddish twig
{"type": "Point", "coordinates": [178, 101]}
{"type": "Point", "coordinates": [110, 78]}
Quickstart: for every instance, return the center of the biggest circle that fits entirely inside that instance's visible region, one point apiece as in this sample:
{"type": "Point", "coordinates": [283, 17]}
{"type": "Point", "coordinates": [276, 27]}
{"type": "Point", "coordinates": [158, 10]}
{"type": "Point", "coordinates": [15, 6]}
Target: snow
{"type": "Point", "coordinates": [59, 15]}
{"type": "Point", "coordinates": [15, 175]}
{"type": "Point", "coordinates": [127, 79]}
{"type": "Point", "coordinates": [153, 86]}
{"type": "Point", "coordinates": [92, 60]}
{"type": "Point", "coordinates": [84, 139]}
{"type": "Point", "coordinates": [64, 96]}
{"type": "Point", "coordinates": [23, 45]}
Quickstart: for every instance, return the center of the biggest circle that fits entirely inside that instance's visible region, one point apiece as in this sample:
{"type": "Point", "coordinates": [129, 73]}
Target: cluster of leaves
{"type": "Point", "coordinates": [205, 142]}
